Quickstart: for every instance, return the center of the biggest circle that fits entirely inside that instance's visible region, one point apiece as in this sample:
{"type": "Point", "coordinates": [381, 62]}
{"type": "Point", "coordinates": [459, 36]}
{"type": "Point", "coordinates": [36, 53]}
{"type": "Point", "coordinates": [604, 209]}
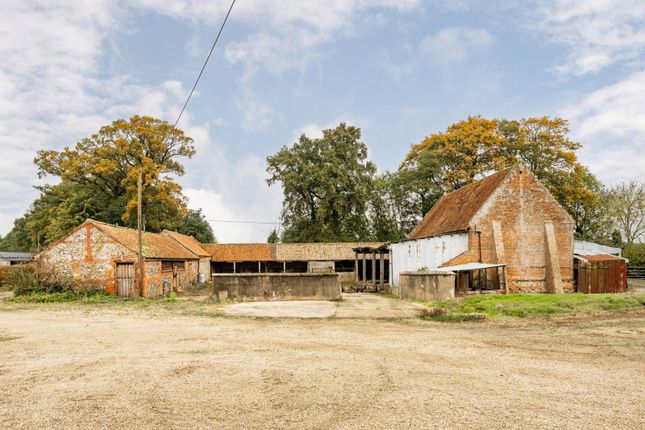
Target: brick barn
{"type": "Point", "coordinates": [105, 255]}
{"type": "Point", "coordinates": [505, 232]}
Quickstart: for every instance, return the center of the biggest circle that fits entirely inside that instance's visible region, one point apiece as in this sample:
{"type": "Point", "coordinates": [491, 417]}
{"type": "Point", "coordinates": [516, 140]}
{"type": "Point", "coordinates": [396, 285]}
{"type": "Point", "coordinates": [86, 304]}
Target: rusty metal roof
{"type": "Point", "coordinates": [600, 257]}
{"type": "Point", "coordinates": [154, 245]}
{"type": "Point", "coordinates": [453, 212]}
{"type": "Point", "coordinates": [241, 251]}
{"type": "Point", "coordinates": [188, 242]}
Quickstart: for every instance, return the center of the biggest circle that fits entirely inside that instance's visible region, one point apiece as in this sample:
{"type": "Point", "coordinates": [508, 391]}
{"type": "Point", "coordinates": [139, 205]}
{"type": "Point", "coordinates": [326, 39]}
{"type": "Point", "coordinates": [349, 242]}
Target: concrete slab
{"type": "Point", "coordinates": [353, 305]}
{"type": "Point", "coordinates": [283, 309]}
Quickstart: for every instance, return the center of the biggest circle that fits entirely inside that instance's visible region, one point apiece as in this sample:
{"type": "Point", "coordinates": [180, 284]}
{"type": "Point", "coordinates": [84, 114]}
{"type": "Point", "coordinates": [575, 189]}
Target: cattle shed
{"type": "Point", "coordinates": [288, 258]}
{"type": "Point", "coordinates": [506, 219]}
{"type": "Point", "coordinates": [105, 256]}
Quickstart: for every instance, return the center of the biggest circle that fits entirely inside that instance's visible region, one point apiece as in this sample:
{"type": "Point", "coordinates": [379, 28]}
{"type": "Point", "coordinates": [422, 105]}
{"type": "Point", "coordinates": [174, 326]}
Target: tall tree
{"type": "Point", "coordinates": [326, 184]}
{"type": "Point", "coordinates": [386, 220]}
{"type": "Point", "coordinates": [98, 179]}
{"type": "Point", "coordinates": [475, 147]}
{"type": "Point", "coordinates": [194, 224]}
{"type": "Point", "coordinates": [627, 206]}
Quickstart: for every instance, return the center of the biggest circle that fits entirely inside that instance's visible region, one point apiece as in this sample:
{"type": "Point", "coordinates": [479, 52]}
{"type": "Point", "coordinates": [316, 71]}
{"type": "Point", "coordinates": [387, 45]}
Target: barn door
{"type": "Point", "coordinates": [125, 280]}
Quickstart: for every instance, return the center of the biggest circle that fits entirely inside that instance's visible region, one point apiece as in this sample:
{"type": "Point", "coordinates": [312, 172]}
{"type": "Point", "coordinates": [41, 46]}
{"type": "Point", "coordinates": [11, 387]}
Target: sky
{"type": "Point", "coordinates": [398, 69]}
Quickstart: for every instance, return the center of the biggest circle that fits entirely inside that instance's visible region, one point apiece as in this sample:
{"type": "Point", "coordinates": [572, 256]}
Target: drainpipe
{"type": "Point", "coordinates": [479, 241]}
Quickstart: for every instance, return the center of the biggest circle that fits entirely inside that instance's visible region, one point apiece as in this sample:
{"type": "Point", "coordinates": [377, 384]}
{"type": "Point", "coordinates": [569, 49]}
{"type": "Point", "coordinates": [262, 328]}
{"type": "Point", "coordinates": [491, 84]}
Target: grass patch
{"type": "Point", "coordinates": [531, 305]}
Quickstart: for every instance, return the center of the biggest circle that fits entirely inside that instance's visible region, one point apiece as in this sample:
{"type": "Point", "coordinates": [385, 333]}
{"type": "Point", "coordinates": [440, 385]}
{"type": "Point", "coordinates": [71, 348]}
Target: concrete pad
{"type": "Point", "coordinates": [283, 309]}
{"type": "Point", "coordinates": [353, 305]}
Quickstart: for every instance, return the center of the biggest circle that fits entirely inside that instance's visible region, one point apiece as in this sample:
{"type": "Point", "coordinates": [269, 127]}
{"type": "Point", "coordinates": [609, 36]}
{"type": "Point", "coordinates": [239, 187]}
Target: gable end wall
{"type": "Point", "coordinates": [522, 205]}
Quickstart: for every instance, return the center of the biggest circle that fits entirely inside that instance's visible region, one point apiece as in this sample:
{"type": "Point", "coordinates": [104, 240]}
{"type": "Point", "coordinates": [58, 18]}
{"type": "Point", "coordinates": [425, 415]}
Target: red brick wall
{"type": "Point", "coordinates": [522, 205]}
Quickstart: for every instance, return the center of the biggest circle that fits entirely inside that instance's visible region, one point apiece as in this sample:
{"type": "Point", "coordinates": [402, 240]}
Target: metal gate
{"type": "Point", "coordinates": [125, 280]}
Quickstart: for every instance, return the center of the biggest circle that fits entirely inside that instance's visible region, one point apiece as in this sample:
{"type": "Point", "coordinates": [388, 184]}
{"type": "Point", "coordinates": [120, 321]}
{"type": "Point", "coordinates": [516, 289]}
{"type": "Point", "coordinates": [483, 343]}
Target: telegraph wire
{"type": "Point", "coordinates": [205, 62]}
{"type": "Point", "coordinates": [242, 222]}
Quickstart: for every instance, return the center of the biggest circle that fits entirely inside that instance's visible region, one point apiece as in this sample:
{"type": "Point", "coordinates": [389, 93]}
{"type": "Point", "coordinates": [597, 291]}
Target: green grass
{"type": "Point", "coordinates": [529, 305]}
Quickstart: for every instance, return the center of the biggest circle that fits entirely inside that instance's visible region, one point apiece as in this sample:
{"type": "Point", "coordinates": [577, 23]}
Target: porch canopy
{"type": "Point", "coordinates": [478, 276]}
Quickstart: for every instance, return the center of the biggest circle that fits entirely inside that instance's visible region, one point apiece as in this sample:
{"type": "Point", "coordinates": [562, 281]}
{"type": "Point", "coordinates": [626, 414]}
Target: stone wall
{"type": "Point", "coordinates": [277, 286]}
{"type": "Point", "coordinates": [427, 286]}
{"type": "Point", "coordinates": [87, 255]}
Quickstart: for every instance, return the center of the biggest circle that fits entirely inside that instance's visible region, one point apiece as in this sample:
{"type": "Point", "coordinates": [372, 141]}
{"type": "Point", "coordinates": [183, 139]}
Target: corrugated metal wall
{"type": "Point", "coordinates": [426, 253]}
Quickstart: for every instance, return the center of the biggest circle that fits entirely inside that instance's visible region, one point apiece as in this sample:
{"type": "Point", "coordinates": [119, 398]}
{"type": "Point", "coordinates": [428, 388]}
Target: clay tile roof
{"type": "Point", "coordinates": [240, 251]}
{"type": "Point", "coordinates": [453, 212]}
{"type": "Point", "coordinates": [188, 242]}
{"type": "Point", "coordinates": [154, 245]}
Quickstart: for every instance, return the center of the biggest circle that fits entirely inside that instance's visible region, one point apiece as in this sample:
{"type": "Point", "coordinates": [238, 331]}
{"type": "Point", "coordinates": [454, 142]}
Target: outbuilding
{"type": "Point", "coordinates": [105, 256]}
{"type": "Point", "coordinates": [13, 258]}
{"type": "Point", "coordinates": [507, 220]}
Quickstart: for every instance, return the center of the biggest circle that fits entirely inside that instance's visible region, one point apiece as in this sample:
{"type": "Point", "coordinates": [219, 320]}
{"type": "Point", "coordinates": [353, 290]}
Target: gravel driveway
{"type": "Point", "coordinates": [150, 368]}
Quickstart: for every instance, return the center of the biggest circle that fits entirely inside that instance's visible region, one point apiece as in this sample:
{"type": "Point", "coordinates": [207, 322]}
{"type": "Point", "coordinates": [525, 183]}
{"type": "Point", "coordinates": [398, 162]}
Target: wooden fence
{"type": "Point", "coordinates": [636, 272]}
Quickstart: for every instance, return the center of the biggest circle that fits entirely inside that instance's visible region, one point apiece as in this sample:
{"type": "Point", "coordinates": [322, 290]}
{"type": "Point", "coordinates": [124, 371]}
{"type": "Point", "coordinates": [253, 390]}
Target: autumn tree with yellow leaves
{"type": "Point", "coordinates": [98, 179]}
{"type": "Point", "coordinates": [475, 147]}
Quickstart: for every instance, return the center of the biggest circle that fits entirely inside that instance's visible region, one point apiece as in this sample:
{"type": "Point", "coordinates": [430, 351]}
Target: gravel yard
{"type": "Point", "coordinates": [151, 367]}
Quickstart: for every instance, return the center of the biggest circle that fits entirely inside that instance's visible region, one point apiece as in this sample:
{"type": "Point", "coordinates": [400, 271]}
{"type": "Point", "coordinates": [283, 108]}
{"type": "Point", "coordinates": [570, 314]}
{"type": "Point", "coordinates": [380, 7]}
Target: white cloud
{"type": "Point", "coordinates": [454, 44]}
{"type": "Point", "coordinates": [598, 33]}
{"type": "Point", "coordinates": [53, 92]}
{"type": "Point", "coordinates": [611, 124]}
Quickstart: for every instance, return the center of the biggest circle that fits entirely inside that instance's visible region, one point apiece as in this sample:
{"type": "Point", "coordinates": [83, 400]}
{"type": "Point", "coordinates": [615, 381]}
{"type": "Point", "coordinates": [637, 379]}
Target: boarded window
{"type": "Point", "coordinates": [166, 266]}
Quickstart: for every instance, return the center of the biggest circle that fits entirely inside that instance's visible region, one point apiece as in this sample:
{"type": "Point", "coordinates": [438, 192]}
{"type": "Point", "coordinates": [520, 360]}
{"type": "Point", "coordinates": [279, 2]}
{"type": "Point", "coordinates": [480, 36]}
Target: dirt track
{"type": "Point", "coordinates": [152, 368]}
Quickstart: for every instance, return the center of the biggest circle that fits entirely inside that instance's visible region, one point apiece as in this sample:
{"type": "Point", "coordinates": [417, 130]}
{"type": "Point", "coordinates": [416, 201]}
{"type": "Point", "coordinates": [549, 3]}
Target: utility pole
{"type": "Point", "coordinates": [139, 232]}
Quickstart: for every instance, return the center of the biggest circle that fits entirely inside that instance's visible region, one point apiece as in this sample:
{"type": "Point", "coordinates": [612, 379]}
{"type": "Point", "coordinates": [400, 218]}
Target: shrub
{"type": "Point", "coordinates": [4, 275]}
{"type": "Point", "coordinates": [38, 277]}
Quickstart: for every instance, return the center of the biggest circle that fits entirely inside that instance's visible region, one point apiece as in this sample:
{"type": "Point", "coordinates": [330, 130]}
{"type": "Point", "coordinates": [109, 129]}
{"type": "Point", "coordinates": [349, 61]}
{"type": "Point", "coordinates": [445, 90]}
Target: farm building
{"type": "Point", "coordinates": [291, 258]}
{"type": "Point", "coordinates": [599, 268]}
{"type": "Point", "coordinates": [505, 232]}
{"type": "Point", "coordinates": [13, 258]}
{"type": "Point", "coordinates": [106, 255]}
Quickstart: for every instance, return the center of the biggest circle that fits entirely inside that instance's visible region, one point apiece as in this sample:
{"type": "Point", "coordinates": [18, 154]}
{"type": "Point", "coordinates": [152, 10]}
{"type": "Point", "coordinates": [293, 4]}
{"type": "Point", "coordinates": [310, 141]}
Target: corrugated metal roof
{"type": "Point", "coordinates": [154, 245]}
{"type": "Point", "coordinates": [188, 242]}
{"type": "Point", "coordinates": [453, 211]}
{"type": "Point", "coordinates": [16, 256]}
{"type": "Point", "coordinates": [599, 257]}
{"type": "Point", "coordinates": [241, 251]}
{"type": "Point", "coordinates": [583, 247]}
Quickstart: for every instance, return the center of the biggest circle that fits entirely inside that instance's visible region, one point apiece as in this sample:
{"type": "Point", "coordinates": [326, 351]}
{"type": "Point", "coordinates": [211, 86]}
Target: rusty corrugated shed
{"type": "Point", "coordinates": [241, 251]}
{"type": "Point", "coordinates": [188, 242]}
{"type": "Point", "coordinates": [154, 245]}
{"type": "Point", "coordinates": [453, 211]}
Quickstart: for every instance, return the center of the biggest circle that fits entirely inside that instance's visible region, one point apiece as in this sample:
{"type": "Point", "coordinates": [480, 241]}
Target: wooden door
{"type": "Point", "coordinates": [125, 280]}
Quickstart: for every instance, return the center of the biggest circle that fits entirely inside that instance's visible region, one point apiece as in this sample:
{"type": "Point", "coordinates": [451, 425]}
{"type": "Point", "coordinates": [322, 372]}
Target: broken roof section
{"type": "Point", "coordinates": [155, 245]}
{"type": "Point", "coordinates": [453, 212]}
{"type": "Point", "coordinates": [188, 242]}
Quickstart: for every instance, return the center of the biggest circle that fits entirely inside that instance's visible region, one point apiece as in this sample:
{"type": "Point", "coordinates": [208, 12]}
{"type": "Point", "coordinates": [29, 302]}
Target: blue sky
{"type": "Point", "coordinates": [400, 70]}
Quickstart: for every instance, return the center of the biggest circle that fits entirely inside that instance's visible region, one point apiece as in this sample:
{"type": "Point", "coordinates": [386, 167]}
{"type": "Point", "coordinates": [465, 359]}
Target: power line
{"type": "Point", "coordinates": [205, 62]}
{"type": "Point", "coordinates": [242, 222]}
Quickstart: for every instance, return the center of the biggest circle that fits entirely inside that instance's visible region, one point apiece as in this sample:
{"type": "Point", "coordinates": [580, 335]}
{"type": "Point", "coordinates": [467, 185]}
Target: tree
{"type": "Point", "coordinates": [273, 237]}
{"type": "Point", "coordinates": [386, 220]}
{"type": "Point", "coordinates": [108, 163]}
{"type": "Point", "coordinates": [194, 224]}
{"type": "Point", "coordinates": [98, 178]}
{"type": "Point", "coordinates": [326, 184]}
{"type": "Point", "coordinates": [627, 207]}
{"type": "Point", "coordinates": [473, 148]}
